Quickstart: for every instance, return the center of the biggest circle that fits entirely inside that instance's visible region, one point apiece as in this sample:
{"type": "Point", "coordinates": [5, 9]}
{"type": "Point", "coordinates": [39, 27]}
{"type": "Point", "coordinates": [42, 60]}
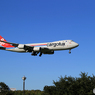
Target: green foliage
{"type": "Point", "coordinates": [72, 86]}
{"type": "Point", "coordinates": [3, 87]}
{"type": "Point", "coordinates": [32, 92]}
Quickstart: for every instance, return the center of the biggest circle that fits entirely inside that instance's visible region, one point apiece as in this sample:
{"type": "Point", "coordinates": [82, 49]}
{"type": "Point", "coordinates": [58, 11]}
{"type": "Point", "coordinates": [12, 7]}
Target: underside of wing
{"type": "Point", "coordinates": [41, 50]}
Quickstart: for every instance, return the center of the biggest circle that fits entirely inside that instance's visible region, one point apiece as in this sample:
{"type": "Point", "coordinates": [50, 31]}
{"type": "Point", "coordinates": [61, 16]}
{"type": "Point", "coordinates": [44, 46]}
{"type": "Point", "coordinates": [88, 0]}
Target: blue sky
{"type": "Point", "coordinates": [37, 21]}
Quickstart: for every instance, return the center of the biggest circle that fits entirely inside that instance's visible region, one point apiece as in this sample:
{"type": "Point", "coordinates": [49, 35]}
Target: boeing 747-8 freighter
{"type": "Point", "coordinates": [41, 48]}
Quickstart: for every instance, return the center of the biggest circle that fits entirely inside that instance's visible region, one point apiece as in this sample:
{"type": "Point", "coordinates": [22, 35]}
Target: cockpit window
{"type": "Point", "coordinates": [72, 41]}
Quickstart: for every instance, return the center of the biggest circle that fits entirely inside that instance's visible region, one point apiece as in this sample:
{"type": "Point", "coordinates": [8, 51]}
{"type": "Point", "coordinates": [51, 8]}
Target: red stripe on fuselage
{"type": "Point", "coordinates": [38, 44]}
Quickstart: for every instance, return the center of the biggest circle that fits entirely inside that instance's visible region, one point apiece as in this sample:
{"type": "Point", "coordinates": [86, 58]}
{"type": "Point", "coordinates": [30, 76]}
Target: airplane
{"type": "Point", "coordinates": [41, 48]}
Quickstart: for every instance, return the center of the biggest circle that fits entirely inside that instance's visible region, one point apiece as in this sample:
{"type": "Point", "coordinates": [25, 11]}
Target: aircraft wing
{"type": "Point", "coordinates": [20, 46]}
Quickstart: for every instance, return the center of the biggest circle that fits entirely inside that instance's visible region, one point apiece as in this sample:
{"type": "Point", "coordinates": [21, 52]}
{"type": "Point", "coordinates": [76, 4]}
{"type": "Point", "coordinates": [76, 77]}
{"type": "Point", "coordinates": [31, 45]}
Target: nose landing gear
{"type": "Point", "coordinates": [70, 51]}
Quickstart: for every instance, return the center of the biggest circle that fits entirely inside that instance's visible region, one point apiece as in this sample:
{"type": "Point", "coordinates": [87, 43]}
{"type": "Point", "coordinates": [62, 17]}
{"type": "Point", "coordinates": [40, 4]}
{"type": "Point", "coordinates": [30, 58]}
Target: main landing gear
{"type": "Point", "coordinates": [40, 54]}
{"type": "Point", "coordinates": [70, 51]}
{"type": "Point", "coordinates": [34, 54]}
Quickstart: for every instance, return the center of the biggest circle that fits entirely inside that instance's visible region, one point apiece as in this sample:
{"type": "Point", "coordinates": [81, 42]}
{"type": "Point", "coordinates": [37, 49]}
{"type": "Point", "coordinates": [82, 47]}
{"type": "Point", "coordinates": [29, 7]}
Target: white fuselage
{"type": "Point", "coordinates": [57, 45]}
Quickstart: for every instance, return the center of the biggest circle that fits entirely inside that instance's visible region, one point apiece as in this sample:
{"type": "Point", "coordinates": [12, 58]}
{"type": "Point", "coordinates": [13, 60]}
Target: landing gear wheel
{"type": "Point", "coordinates": [34, 54]}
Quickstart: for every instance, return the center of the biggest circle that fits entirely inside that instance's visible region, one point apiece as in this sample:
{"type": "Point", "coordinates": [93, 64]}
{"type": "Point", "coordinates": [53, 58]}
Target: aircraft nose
{"type": "Point", "coordinates": [77, 44]}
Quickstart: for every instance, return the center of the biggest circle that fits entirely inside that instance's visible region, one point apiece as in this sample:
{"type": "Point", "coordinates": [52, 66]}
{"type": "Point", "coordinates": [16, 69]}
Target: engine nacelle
{"type": "Point", "coordinates": [49, 52]}
{"type": "Point", "coordinates": [21, 46]}
{"type": "Point", "coordinates": [36, 49]}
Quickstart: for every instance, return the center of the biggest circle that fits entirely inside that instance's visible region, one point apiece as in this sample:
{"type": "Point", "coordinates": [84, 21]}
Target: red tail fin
{"type": "Point", "coordinates": [4, 44]}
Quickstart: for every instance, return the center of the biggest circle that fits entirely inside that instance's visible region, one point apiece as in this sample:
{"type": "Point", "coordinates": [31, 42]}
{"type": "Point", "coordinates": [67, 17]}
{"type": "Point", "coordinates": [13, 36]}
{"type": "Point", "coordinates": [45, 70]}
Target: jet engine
{"type": "Point", "coordinates": [21, 46]}
{"type": "Point", "coordinates": [26, 48]}
{"type": "Point", "coordinates": [48, 52]}
{"type": "Point", "coordinates": [36, 49]}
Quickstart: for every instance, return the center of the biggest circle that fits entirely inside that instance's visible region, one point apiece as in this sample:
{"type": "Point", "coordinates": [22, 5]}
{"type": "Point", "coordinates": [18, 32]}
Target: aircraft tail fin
{"type": "Point", "coordinates": [7, 45]}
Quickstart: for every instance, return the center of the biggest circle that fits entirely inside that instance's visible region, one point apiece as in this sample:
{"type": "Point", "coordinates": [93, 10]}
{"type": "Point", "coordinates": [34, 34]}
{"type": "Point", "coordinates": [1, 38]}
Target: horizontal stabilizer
{"type": "Point", "coordinates": [4, 43]}
{"type": "Point", "coordinates": [3, 48]}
